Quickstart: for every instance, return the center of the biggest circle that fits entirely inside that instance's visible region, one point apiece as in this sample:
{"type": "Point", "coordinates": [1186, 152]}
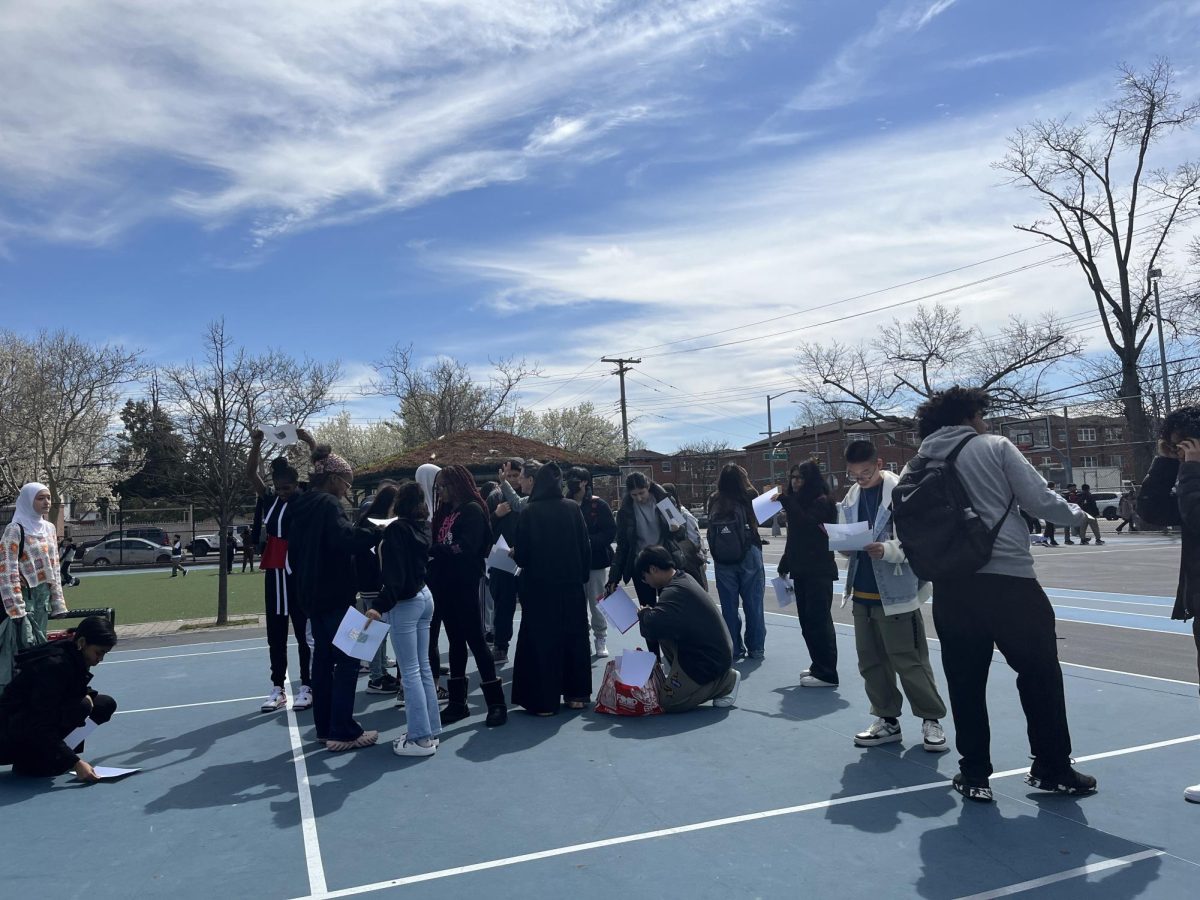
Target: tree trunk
{"type": "Point", "coordinates": [1141, 439]}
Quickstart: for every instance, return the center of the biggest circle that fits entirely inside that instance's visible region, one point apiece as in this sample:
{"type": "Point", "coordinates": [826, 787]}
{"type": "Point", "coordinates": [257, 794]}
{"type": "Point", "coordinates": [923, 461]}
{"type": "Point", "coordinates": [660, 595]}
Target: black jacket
{"type": "Point", "coordinates": [686, 615]}
{"type": "Point", "coordinates": [322, 542]}
{"type": "Point", "coordinates": [458, 560]}
{"type": "Point", "coordinates": [1171, 496]}
{"type": "Point", "coordinates": [627, 536]}
{"type": "Point", "coordinates": [552, 538]}
{"type": "Point", "coordinates": [405, 552]}
{"type": "Point", "coordinates": [602, 530]}
{"type": "Point", "coordinates": [503, 526]}
{"type": "Point", "coordinates": [45, 701]}
{"type": "Point", "coordinates": [807, 553]}
{"type": "Point", "coordinates": [1087, 502]}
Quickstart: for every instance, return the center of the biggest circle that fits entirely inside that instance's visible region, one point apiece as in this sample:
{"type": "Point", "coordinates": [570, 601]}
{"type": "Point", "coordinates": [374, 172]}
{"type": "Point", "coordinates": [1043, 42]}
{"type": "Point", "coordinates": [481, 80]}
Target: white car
{"type": "Point", "coordinates": [204, 544]}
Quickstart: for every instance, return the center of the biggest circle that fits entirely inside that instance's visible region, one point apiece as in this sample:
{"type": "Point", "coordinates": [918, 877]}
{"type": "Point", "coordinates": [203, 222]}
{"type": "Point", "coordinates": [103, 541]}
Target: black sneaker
{"type": "Point", "coordinates": [1068, 781]}
{"type": "Point", "coordinates": [385, 685]}
{"type": "Point", "coordinates": [1099, 542]}
{"type": "Point", "coordinates": [979, 792]}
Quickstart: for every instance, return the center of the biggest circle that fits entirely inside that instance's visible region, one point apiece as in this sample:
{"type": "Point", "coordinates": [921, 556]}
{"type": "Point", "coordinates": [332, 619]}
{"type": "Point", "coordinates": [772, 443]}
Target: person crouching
{"type": "Point", "coordinates": [49, 698]}
{"type": "Point", "coordinates": [691, 634]}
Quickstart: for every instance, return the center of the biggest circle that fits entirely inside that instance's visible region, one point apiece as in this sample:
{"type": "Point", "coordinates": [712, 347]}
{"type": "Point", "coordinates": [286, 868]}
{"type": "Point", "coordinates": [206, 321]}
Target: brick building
{"type": "Point", "coordinates": [694, 475]}
{"type": "Point", "coordinates": [1098, 446]}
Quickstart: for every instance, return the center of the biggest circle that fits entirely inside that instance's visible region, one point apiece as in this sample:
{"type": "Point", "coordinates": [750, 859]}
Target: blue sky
{"type": "Point", "coordinates": [555, 179]}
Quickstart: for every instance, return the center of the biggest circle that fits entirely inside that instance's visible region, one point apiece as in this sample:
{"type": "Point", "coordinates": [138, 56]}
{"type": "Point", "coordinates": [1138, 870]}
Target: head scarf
{"type": "Point", "coordinates": [425, 477]}
{"type": "Point", "coordinates": [28, 517]}
{"type": "Point", "coordinates": [333, 465]}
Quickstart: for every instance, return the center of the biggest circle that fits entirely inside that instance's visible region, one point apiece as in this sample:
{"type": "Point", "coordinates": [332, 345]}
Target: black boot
{"type": "Point", "coordinates": [456, 710]}
{"type": "Point", "coordinates": [493, 693]}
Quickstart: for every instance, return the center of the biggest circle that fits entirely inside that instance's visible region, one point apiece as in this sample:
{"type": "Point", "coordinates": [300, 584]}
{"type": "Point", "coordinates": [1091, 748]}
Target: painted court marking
{"type": "Point", "coordinates": [308, 821]}
{"type": "Point", "coordinates": [1091, 868]}
{"type": "Point", "coordinates": [126, 712]}
{"type": "Point", "coordinates": [735, 820]}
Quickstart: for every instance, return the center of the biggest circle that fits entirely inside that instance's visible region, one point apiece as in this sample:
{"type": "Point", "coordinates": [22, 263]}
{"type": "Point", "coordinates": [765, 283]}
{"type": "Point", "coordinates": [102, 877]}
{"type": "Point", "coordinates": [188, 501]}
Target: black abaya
{"type": "Point", "coordinates": [553, 659]}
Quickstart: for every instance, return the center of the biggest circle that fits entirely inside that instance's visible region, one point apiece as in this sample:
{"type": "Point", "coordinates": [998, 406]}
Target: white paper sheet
{"type": "Point", "coordinates": [358, 636]}
{"type": "Point", "coordinates": [382, 523]}
{"type": "Point", "coordinates": [674, 517]}
{"type": "Point", "coordinates": [765, 505]}
{"type": "Point", "coordinates": [620, 610]}
{"type": "Point", "coordinates": [785, 591]}
{"type": "Point", "coordinates": [107, 773]}
{"type": "Point", "coordinates": [635, 667]}
{"type": "Point", "coordinates": [499, 558]}
{"type": "Point", "coordinates": [282, 435]}
{"type": "Point", "coordinates": [852, 536]}
{"type": "Point", "coordinates": [79, 735]}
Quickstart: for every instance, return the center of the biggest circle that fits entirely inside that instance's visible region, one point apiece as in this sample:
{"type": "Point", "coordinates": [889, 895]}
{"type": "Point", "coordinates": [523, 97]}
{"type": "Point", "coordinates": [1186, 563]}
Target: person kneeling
{"type": "Point", "coordinates": [49, 698]}
{"type": "Point", "coordinates": [691, 634]}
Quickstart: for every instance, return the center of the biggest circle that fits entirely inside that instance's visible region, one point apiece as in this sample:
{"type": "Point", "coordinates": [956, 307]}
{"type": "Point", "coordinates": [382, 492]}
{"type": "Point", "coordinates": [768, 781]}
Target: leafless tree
{"type": "Point", "coordinates": [443, 397]}
{"type": "Point", "coordinates": [578, 429]}
{"type": "Point", "coordinates": [1112, 211]}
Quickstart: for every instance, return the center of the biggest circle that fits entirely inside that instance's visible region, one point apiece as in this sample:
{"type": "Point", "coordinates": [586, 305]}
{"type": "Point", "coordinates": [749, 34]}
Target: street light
{"type": "Point", "coordinates": [770, 428]}
{"type": "Point", "coordinates": [1152, 276]}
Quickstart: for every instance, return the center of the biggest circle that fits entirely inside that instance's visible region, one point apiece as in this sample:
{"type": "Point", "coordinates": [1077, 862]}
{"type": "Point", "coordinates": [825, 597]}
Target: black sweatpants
{"type": "Point", "coordinates": [459, 608]}
{"type": "Point", "coordinates": [504, 598]}
{"type": "Point", "coordinates": [814, 609]}
{"type": "Point", "coordinates": [282, 610]}
{"type": "Point", "coordinates": [975, 614]}
{"type": "Point", "coordinates": [30, 755]}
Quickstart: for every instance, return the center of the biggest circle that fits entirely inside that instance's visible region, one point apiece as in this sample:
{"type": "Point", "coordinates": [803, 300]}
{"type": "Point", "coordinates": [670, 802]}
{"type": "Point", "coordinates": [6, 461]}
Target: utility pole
{"type": "Point", "coordinates": [1153, 275]}
{"type": "Point", "coordinates": [623, 366]}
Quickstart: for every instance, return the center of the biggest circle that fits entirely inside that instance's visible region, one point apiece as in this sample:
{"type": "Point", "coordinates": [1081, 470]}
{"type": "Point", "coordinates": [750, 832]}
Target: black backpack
{"type": "Point", "coordinates": [940, 531]}
{"type": "Point", "coordinates": [728, 536]}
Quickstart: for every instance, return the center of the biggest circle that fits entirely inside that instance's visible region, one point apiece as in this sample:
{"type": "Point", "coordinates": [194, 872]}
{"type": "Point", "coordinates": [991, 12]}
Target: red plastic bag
{"type": "Point", "coordinates": [274, 555]}
{"type": "Point", "coordinates": [619, 699]}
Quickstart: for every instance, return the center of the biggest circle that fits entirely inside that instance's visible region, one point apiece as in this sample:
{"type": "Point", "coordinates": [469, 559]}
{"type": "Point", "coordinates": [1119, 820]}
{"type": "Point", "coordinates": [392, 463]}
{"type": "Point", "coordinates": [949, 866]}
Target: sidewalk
{"type": "Point", "coordinates": [158, 629]}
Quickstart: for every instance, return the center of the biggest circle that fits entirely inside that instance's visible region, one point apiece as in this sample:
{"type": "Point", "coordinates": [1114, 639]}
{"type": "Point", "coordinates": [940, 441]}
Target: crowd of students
{"type": "Point", "coordinates": [424, 569]}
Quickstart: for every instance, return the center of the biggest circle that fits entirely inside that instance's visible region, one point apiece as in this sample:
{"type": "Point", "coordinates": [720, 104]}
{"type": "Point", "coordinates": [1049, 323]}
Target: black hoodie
{"type": "Point", "coordinates": [45, 699]}
{"type": "Point", "coordinates": [552, 538]}
{"type": "Point", "coordinates": [405, 555]}
{"type": "Point", "coordinates": [321, 547]}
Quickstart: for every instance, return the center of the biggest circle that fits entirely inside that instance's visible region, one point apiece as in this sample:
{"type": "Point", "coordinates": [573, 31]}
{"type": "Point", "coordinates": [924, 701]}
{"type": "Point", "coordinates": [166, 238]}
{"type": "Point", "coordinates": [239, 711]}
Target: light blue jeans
{"type": "Point", "coordinates": [409, 624]}
{"type": "Point", "coordinates": [748, 580]}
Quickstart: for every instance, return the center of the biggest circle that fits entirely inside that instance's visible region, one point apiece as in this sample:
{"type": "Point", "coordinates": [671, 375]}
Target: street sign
{"type": "Point", "coordinates": [776, 454]}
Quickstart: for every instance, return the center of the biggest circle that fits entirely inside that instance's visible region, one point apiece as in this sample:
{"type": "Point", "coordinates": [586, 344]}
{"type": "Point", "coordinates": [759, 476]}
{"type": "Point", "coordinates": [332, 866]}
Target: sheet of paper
{"type": "Point", "coordinates": [499, 558]}
{"type": "Point", "coordinates": [852, 536]}
{"type": "Point", "coordinates": [765, 505]}
{"type": "Point", "coordinates": [282, 435]}
{"type": "Point", "coordinates": [620, 610]}
{"type": "Point", "coordinates": [107, 773]}
{"type": "Point", "coordinates": [358, 636]}
{"type": "Point", "coordinates": [382, 523]}
{"type": "Point", "coordinates": [785, 591]}
{"type": "Point", "coordinates": [635, 667]}
{"type": "Point", "coordinates": [674, 517]}
{"type": "Point", "coordinates": [79, 735]}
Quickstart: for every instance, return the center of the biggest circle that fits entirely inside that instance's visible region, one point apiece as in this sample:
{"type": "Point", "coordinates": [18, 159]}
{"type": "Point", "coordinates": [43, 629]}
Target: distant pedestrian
{"type": "Point", "coordinates": [247, 550]}
{"type": "Point", "coordinates": [66, 554]}
{"type": "Point", "coordinates": [1126, 508]}
{"type": "Point", "coordinates": [1088, 504]}
{"type": "Point", "coordinates": [1071, 495]}
{"type": "Point", "coordinates": [1048, 533]}
{"type": "Point", "coordinates": [177, 567]}
{"type": "Point", "coordinates": [230, 551]}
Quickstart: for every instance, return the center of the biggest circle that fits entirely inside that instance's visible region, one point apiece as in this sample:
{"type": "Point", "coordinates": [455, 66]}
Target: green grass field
{"type": "Point", "coordinates": [156, 597]}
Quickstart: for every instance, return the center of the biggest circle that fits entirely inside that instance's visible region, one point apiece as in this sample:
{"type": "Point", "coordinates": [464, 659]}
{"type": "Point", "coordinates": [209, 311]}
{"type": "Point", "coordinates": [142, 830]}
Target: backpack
{"type": "Point", "coordinates": [940, 531]}
{"type": "Point", "coordinates": [728, 536]}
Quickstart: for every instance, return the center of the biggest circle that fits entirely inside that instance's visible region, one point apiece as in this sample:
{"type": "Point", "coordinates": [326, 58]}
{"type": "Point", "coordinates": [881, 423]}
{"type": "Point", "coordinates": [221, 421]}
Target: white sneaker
{"type": "Point", "coordinates": [402, 747]}
{"type": "Point", "coordinates": [1192, 794]}
{"type": "Point", "coordinates": [303, 698]}
{"type": "Point", "coordinates": [276, 700]}
{"type": "Point", "coordinates": [730, 699]}
{"type": "Point", "coordinates": [933, 736]}
{"type": "Point", "coordinates": [880, 732]}
{"type": "Point", "coordinates": [806, 673]}
{"type": "Point", "coordinates": [601, 647]}
{"type": "Point", "coordinates": [433, 741]}
{"type": "Point", "coordinates": [814, 682]}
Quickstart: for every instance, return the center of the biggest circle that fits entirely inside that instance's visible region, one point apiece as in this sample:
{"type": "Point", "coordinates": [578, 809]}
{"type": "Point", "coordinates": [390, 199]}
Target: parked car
{"type": "Point", "coordinates": [204, 544]}
{"type": "Point", "coordinates": [154, 535]}
{"type": "Point", "coordinates": [701, 514]}
{"type": "Point", "coordinates": [126, 551]}
{"type": "Point", "coordinates": [1107, 502]}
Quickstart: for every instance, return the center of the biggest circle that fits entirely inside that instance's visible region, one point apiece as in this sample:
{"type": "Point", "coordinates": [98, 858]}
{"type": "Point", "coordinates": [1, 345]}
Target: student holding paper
{"type": "Point", "coordinates": [552, 662]}
{"type": "Point", "coordinates": [809, 562]}
{"type": "Point", "coordinates": [50, 697]}
{"type": "Point", "coordinates": [505, 504]}
{"type": "Point", "coordinates": [322, 542]}
{"type": "Point", "coordinates": [602, 530]}
{"type": "Point", "coordinates": [889, 632]}
{"type": "Point", "coordinates": [738, 563]}
{"type": "Point", "coordinates": [370, 582]}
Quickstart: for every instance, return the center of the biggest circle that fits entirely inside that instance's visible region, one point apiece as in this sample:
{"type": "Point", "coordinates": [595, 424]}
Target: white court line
{"type": "Point", "coordinates": [700, 826]}
{"type": "Point", "coordinates": [176, 646]}
{"type": "Point", "coordinates": [308, 821]}
{"type": "Point", "coordinates": [125, 712]}
{"type": "Point", "coordinates": [1102, 866]}
{"type": "Point", "coordinates": [118, 662]}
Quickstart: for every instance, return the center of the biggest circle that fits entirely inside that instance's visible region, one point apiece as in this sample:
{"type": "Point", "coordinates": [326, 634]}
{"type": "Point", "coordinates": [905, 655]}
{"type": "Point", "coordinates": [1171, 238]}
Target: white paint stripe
{"type": "Point", "coordinates": [701, 826]}
{"type": "Point", "coordinates": [1091, 868]}
{"type": "Point", "coordinates": [176, 646]}
{"type": "Point", "coordinates": [1131, 674]}
{"type": "Point", "coordinates": [308, 821]}
{"type": "Point", "coordinates": [117, 662]}
{"type": "Point", "coordinates": [126, 712]}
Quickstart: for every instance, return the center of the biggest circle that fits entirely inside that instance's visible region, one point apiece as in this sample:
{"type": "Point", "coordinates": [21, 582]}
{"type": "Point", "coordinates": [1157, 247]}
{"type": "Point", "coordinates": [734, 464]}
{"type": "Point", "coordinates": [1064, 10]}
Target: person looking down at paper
{"type": "Point", "coordinates": [691, 633]}
{"type": "Point", "coordinates": [505, 505]}
{"type": "Point", "coordinates": [50, 697]}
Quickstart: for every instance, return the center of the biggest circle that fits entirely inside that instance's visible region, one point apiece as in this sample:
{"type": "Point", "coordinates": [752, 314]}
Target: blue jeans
{"type": "Point", "coordinates": [409, 623]}
{"type": "Point", "coordinates": [334, 679]}
{"type": "Point", "coordinates": [748, 580]}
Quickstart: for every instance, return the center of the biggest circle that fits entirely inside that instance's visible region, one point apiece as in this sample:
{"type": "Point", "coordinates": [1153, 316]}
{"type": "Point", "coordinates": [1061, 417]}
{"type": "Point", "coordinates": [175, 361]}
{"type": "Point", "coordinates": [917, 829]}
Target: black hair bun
{"type": "Point", "coordinates": [279, 466]}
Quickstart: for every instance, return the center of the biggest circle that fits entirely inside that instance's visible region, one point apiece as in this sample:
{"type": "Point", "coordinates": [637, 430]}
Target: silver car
{"type": "Point", "coordinates": [126, 551]}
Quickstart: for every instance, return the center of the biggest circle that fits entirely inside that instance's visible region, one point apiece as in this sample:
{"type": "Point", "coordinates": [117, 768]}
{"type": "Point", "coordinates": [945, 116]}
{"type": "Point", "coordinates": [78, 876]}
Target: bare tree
{"type": "Point", "coordinates": [1096, 180]}
{"type": "Point", "coordinates": [58, 397]}
{"type": "Point", "coordinates": [443, 396]}
{"type": "Point", "coordinates": [882, 380]}
{"type": "Point", "coordinates": [216, 400]}
{"type": "Point", "coordinates": [361, 445]}
{"type": "Point", "coordinates": [578, 429]}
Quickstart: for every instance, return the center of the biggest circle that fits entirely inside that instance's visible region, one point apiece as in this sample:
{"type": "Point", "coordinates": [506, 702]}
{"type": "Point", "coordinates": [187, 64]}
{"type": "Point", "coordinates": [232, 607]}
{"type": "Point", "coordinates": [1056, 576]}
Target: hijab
{"type": "Point", "coordinates": [28, 517]}
{"type": "Point", "coordinates": [425, 477]}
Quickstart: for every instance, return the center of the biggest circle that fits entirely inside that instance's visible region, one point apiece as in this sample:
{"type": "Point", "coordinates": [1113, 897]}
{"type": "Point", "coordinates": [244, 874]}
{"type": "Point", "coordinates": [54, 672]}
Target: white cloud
{"type": "Point", "coordinates": [299, 111]}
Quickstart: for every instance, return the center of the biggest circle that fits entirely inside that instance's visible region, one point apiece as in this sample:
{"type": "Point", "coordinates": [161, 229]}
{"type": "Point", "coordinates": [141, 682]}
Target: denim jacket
{"type": "Point", "coordinates": [898, 586]}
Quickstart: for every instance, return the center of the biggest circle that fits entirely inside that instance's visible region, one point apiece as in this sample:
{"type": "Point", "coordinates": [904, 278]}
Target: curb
{"type": "Point", "coordinates": [174, 626]}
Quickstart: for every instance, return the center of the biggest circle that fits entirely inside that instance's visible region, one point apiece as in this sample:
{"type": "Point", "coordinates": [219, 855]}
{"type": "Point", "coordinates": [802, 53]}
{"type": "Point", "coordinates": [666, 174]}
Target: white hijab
{"type": "Point", "coordinates": [28, 517]}
{"type": "Point", "coordinates": [425, 477]}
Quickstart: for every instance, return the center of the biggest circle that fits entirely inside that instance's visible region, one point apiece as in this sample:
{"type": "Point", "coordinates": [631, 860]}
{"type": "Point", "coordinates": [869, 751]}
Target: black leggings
{"type": "Point", "coordinates": [458, 605]}
{"type": "Point", "coordinates": [277, 627]}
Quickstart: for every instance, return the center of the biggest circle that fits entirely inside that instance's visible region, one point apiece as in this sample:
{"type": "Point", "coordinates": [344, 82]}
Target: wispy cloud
{"type": "Point", "coordinates": [989, 59]}
{"type": "Point", "coordinates": [300, 111]}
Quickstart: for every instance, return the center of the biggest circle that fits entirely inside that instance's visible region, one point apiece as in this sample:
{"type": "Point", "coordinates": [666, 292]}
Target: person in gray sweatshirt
{"type": "Point", "coordinates": [1001, 605]}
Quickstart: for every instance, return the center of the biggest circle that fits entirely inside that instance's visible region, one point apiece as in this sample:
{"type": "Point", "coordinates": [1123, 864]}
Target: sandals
{"type": "Point", "coordinates": [366, 739]}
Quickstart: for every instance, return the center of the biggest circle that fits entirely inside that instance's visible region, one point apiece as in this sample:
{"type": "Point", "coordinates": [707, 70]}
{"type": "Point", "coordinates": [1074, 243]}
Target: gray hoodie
{"type": "Point", "coordinates": [993, 471]}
